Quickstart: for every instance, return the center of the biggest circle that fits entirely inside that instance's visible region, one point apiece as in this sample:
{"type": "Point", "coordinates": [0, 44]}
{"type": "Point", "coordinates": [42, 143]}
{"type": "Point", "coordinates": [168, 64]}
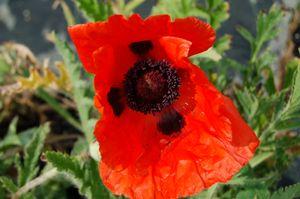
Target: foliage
{"type": "Point", "coordinates": [292, 191]}
{"type": "Point", "coordinates": [83, 103]}
{"type": "Point", "coordinates": [84, 176]}
{"type": "Point", "coordinates": [94, 10]}
{"type": "Point", "coordinates": [28, 168]}
{"type": "Point", "coordinates": [65, 92]}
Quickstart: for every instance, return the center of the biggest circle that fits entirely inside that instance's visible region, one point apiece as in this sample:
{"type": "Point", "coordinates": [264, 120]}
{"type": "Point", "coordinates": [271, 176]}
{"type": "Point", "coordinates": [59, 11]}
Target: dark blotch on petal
{"type": "Point", "coordinates": [141, 47]}
{"type": "Point", "coordinates": [170, 122]}
{"type": "Point", "coordinates": [114, 98]}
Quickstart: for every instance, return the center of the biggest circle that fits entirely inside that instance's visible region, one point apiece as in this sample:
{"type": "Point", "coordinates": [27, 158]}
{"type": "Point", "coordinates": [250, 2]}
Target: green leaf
{"type": "Point", "coordinates": [270, 82]}
{"type": "Point", "coordinates": [259, 158]}
{"type": "Point", "coordinates": [266, 29]}
{"type": "Point", "coordinates": [11, 138]}
{"type": "Point", "coordinates": [215, 12]}
{"type": "Point", "coordinates": [291, 67]}
{"type": "Point", "coordinates": [211, 54]}
{"type": "Point", "coordinates": [65, 163]}
{"type": "Point", "coordinates": [8, 184]}
{"type": "Point", "coordinates": [79, 87]}
{"type": "Point", "coordinates": [180, 8]}
{"type": "Point", "coordinates": [71, 167]}
{"type": "Point", "coordinates": [94, 10]}
{"type": "Point", "coordinates": [32, 153]}
{"type": "Point", "coordinates": [218, 12]}
{"type": "Point", "coordinates": [246, 34]}
{"type": "Point", "coordinates": [289, 118]}
{"type": "Point", "coordinates": [289, 192]}
{"type": "Point", "coordinates": [175, 8]}
{"type": "Point", "coordinates": [26, 136]}
{"type": "Point", "coordinates": [83, 174]}
{"type": "Point", "coordinates": [93, 181]}
{"type": "Point", "coordinates": [207, 194]}
{"type": "Point", "coordinates": [248, 101]}
{"type": "Point", "coordinates": [253, 194]}
{"type": "Point", "coordinates": [245, 181]}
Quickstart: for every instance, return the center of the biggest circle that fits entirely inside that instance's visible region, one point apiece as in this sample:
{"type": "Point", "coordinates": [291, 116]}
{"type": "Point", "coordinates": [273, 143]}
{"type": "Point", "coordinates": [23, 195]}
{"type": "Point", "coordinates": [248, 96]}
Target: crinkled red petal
{"type": "Point", "coordinates": [138, 161]}
{"type": "Point", "coordinates": [214, 144]}
{"type": "Point", "coordinates": [198, 32]}
{"type": "Point", "coordinates": [118, 32]}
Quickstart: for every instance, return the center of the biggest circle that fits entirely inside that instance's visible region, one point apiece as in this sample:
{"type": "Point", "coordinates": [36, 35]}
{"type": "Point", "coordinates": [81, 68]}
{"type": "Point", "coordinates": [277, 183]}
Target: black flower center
{"type": "Point", "coordinates": [151, 85]}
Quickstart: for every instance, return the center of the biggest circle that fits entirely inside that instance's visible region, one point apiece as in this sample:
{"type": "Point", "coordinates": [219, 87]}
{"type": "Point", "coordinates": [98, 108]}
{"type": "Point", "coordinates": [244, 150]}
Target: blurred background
{"type": "Point", "coordinates": [30, 22]}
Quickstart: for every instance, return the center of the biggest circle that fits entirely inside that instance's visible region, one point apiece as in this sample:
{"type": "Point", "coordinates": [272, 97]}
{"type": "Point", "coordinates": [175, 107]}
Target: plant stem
{"type": "Point", "coordinates": [35, 182]}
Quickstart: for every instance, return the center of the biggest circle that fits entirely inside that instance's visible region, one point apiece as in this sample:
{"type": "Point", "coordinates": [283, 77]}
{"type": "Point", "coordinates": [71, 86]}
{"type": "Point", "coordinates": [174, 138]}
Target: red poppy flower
{"type": "Point", "coordinates": [166, 131]}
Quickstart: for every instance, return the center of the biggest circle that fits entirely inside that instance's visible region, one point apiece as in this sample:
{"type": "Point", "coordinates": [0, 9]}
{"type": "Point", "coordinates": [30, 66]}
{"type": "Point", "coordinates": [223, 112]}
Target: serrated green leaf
{"type": "Point", "coordinates": [289, 118]}
{"type": "Point", "coordinates": [65, 163]}
{"type": "Point", "coordinates": [83, 174]}
{"type": "Point", "coordinates": [253, 194]}
{"type": "Point", "coordinates": [71, 167]}
{"type": "Point", "coordinates": [11, 138]}
{"type": "Point", "coordinates": [32, 152]}
{"type": "Point", "coordinates": [8, 184]}
{"type": "Point", "coordinates": [248, 101]}
{"type": "Point", "coordinates": [180, 8]}
{"type": "Point", "coordinates": [97, 188]}
{"type": "Point", "coordinates": [266, 29]}
{"type": "Point", "coordinates": [83, 104]}
{"type": "Point", "coordinates": [289, 192]}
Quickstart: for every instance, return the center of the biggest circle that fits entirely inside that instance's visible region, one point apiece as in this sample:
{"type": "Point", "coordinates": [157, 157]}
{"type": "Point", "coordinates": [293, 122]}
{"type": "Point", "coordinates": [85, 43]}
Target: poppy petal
{"type": "Point", "coordinates": [176, 48]}
{"type": "Point", "coordinates": [88, 38]}
{"type": "Point", "coordinates": [202, 35]}
{"type": "Point", "coordinates": [209, 149]}
{"type": "Point", "coordinates": [120, 142]}
{"type": "Point", "coordinates": [208, 141]}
